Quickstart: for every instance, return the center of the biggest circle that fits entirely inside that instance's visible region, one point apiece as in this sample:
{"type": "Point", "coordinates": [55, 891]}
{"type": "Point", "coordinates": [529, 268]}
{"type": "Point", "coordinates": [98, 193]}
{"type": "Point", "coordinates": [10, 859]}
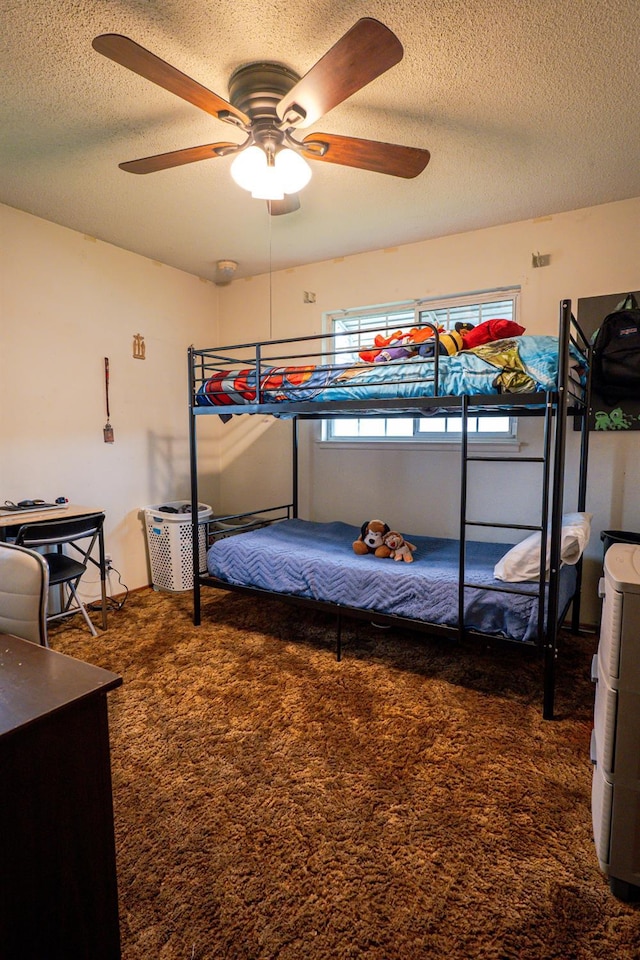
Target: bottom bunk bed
{"type": "Point", "coordinates": [305, 559]}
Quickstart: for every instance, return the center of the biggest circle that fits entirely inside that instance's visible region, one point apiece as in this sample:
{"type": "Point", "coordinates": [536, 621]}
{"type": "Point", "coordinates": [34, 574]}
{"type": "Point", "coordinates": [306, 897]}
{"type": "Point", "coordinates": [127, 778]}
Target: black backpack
{"type": "Point", "coordinates": [616, 354]}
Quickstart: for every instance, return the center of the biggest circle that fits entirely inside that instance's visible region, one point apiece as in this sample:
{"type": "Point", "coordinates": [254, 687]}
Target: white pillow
{"type": "Point", "coordinates": [522, 562]}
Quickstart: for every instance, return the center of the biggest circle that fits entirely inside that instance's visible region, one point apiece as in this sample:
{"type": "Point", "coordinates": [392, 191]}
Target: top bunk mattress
{"type": "Point", "coordinates": [316, 560]}
{"type": "Point", "coordinates": [517, 365]}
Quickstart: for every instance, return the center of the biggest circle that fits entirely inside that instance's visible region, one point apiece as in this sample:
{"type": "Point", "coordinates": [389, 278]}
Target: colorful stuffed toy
{"type": "Point", "coordinates": [399, 346]}
{"type": "Point", "coordinates": [420, 334]}
{"type": "Point", "coordinates": [449, 342]}
{"type": "Point", "coordinates": [490, 330]}
{"type": "Point", "coordinates": [397, 338]}
{"type": "Point", "coordinates": [400, 549]}
{"type": "Point", "coordinates": [371, 539]}
{"type": "Point", "coordinates": [395, 353]}
{"type": "Point", "coordinates": [464, 337]}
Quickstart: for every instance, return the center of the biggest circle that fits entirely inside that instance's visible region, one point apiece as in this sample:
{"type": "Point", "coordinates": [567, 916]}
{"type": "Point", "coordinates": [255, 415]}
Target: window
{"type": "Point", "coordinates": [356, 329]}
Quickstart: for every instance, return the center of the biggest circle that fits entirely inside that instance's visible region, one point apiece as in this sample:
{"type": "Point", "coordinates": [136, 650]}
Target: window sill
{"type": "Point", "coordinates": [510, 446]}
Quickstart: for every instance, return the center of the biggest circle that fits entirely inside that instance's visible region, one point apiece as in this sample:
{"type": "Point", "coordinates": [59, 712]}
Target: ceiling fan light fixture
{"type": "Point", "coordinates": [267, 101]}
{"type": "Point", "coordinates": [288, 173]}
{"type": "Point", "coordinates": [293, 169]}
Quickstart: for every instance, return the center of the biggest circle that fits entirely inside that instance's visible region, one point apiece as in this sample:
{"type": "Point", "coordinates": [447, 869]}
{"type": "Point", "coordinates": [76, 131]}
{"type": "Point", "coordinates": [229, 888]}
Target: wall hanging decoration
{"type": "Point", "coordinates": [108, 429]}
{"type": "Point", "coordinates": [139, 349]}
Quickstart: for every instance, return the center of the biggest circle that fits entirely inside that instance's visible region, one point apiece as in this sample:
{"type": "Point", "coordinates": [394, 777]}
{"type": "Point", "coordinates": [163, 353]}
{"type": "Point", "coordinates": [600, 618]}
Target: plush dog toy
{"type": "Point", "coordinates": [371, 539]}
{"type": "Point", "coordinates": [400, 549]}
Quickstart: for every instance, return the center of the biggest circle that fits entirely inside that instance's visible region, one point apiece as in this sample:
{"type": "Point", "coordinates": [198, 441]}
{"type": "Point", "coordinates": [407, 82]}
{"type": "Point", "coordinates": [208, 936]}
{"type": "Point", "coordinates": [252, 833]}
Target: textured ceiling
{"type": "Point", "coordinates": [528, 108]}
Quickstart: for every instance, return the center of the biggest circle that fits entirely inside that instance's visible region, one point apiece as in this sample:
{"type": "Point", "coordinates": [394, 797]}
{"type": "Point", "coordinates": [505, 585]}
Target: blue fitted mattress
{"type": "Point", "coordinates": [316, 560]}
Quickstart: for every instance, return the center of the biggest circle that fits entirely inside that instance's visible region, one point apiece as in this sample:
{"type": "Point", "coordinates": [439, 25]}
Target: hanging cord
{"type": "Point", "coordinates": [270, 218]}
{"type": "Point", "coordinates": [112, 603]}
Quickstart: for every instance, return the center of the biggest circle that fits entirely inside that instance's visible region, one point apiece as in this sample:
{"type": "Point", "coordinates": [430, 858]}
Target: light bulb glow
{"type": "Point", "coordinates": [288, 174]}
{"type": "Point", "coordinates": [247, 165]}
{"type": "Point", "coordinates": [293, 169]}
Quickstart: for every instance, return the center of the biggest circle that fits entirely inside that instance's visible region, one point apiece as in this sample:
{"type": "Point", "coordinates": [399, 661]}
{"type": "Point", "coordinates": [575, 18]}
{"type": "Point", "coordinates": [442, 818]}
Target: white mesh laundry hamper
{"type": "Point", "coordinates": [169, 544]}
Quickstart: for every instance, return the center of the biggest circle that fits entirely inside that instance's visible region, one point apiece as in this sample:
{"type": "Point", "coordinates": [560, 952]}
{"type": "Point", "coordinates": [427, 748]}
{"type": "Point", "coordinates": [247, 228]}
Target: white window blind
{"type": "Point", "coordinates": [356, 329]}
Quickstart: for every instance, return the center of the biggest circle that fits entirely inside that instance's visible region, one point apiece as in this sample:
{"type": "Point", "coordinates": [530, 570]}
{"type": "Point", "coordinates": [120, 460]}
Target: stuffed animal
{"type": "Point", "coordinates": [370, 356]}
{"type": "Point", "coordinates": [449, 342]}
{"type": "Point", "coordinates": [400, 549]}
{"type": "Point", "coordinates": [420, 334]}
{"type": "Point", "coordinates": [490, 330]}
{"type": "Point", "coordinates": [394, 353]}
{"type": "Point", "coordinates": [371, 539]}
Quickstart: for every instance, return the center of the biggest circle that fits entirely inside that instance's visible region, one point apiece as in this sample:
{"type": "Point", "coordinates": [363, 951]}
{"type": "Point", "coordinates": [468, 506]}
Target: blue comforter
{"type": "Point", "coordinates": [518, 365]}
{"type": "Point", "coordinates": [316, 560]}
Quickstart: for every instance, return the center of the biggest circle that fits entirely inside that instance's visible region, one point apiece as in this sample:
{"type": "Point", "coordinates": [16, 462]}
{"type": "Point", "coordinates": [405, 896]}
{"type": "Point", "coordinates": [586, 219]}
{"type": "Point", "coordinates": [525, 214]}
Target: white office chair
{"type": "Point", "coordinates": [24, 592]}
{"type": "Point", "coordinates": [63, 569]}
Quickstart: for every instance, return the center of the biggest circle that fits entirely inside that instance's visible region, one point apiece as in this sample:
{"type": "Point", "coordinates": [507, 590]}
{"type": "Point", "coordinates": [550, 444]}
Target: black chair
{"type": "Point", "coordinates": [80, 534]}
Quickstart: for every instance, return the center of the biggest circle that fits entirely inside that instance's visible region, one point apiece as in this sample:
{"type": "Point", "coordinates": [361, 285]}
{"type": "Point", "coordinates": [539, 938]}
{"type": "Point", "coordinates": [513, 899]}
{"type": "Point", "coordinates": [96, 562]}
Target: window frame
{"type": "Point", "coordinates": [403, 315]}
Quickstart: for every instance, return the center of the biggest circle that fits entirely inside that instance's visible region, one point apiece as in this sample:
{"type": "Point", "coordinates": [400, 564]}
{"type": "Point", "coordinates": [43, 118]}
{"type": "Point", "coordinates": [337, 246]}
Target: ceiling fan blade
{"type": "Point", "coordinates": [164, 161]}
{"type": "Point", "coordinates": [366, 51]}
{"type": "Point", "coordinates": [390, 158]}
{"type": "Point", "coordinates": [290, 204]}
{"type": "Point", "coordinates": [130, 54]}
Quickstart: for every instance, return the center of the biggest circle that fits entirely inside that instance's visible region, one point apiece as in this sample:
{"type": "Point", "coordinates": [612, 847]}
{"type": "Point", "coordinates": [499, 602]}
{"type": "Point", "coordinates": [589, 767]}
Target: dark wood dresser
{"type": "Point", "coordinates": [58, 888]}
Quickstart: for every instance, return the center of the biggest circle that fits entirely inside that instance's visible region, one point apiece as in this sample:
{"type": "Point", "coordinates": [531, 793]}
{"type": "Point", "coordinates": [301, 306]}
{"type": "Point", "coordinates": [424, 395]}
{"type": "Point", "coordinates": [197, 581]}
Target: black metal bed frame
{"type": "Point", "coordinates": [569, 399]}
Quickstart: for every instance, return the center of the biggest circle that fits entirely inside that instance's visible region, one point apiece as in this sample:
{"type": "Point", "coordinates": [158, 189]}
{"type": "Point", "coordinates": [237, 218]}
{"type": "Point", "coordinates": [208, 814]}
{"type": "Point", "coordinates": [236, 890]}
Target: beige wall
{"type": "Point", "coordinates": [594, 251]}
{"type": "Point", "coordinates": [68, 302]}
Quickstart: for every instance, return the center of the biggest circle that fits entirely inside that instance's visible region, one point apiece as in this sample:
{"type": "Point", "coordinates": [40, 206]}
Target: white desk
{"type": "Point", "coordinates": [10, 522]}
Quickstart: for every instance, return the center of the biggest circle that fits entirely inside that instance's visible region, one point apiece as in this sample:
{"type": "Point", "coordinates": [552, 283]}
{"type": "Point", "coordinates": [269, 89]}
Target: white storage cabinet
{"type": "Point", "coordinates": [615, 740]}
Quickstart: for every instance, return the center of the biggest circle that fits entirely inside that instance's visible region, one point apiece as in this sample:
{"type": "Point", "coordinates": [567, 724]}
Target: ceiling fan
{"type": "Point", "coordinates": [269, 103]}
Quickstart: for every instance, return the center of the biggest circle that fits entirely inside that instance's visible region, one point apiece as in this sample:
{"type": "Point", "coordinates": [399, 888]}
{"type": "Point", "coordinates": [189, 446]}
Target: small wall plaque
{"type": "Point", "coordinates": [139, 349]}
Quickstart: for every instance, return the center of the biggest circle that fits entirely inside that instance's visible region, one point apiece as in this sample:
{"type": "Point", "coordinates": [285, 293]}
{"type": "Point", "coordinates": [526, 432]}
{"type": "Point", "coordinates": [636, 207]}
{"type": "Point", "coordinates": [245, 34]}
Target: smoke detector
{"type": "Point", "coordinates": [225, 272]}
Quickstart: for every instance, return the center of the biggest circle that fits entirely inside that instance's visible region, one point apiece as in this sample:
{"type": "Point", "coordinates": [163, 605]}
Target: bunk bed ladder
{"type": "Point", "coordinates": [546, 638]}
{"type": "Point", "coordinates": [464, 427]}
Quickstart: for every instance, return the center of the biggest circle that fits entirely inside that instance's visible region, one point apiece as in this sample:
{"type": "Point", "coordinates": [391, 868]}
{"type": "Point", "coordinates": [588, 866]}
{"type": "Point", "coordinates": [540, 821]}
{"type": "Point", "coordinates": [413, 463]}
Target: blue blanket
{"type": "Point", "coordinates": [517, 365]}
{"type": "Point", "coordinates": [316, 560]}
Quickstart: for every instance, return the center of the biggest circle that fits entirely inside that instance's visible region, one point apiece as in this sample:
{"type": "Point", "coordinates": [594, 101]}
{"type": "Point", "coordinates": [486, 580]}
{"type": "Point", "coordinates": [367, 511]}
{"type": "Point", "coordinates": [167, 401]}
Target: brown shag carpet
{"type": "Point", "coordinates": [407, 802]}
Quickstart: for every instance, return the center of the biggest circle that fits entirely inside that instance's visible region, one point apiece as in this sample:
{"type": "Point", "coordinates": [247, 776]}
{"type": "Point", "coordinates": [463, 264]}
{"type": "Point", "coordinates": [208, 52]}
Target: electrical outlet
{"type": "Point", "coordinates": [108, 561]}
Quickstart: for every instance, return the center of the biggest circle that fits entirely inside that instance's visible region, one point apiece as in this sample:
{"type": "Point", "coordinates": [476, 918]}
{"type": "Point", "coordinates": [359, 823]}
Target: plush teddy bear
{"type": "Point", "coordinates": [371, 539]}
{"type": "Point", "coordinates": [400, 549]}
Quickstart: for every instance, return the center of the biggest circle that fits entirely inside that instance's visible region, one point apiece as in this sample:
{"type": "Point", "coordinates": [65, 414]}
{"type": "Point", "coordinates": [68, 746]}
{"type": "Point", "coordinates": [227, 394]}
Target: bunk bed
{"type": "Point", "coordinates": [456, 588]}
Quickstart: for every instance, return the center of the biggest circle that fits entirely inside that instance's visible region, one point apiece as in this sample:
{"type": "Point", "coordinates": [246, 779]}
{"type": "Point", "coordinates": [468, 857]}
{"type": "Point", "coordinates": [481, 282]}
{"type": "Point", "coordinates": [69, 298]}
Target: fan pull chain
{"type": "Point", "coordinates": [269, 219]}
